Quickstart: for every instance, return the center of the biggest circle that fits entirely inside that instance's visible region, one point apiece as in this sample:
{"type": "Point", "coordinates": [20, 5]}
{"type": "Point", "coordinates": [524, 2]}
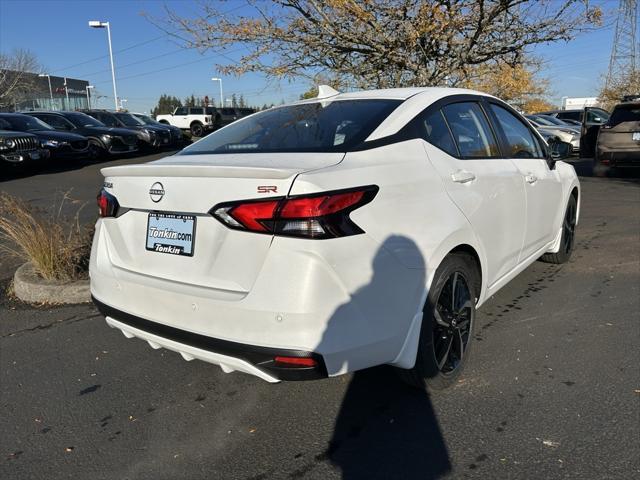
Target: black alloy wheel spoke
{"type": "Point", "coordinates": [453, 315]}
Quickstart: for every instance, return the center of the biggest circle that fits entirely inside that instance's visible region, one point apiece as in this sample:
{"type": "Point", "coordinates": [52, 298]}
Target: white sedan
{"type": "Point", "coordinates": [333, 234]}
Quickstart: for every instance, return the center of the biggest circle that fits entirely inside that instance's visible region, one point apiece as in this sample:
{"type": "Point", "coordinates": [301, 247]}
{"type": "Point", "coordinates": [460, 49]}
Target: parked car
{"type": "Point", "coordinates": [103, 140]}
{"type": "Point", "coordinates": [618, 144]}
{"type": "Point", "coordinates": [59, 144]}
{"type": "Point", "coordinates": [177, 137]}
{"type": "Point", "coordinates": [231, 114]}
{"type": "Point", "coordinates": [333, 234]}
{"type": "Point", "coordinates": [591, 119]}
{"type": "Point", "coordinates": [198, 120]}
{"type": "Point", "coordinates": [20, 149]}
{"type": "Point", "coordinates": [564, 132]}
{"type": "Point", "coordinates": [149, 137]}
{"type": "Point", "coordinates": [594, 115]}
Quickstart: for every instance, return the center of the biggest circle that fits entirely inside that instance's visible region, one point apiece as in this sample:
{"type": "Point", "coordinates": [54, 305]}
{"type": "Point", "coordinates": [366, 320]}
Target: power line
{"type": "Point", "coordinates": [136, 45]}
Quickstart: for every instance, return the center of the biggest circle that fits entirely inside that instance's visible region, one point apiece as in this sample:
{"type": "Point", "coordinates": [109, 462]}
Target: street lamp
{"type": "Point", "coordinates": [42, 75]}
{"type": "Point", "coordinates": [66, 91]}
{"type": "Point", "coordinates": [122, 102]}
{"type": "Point", "coordinates": [87, 88]}
{"type": "Point", "coordinates": [215, 79]}
{"type": "Point", "coordinates": [99, 24]}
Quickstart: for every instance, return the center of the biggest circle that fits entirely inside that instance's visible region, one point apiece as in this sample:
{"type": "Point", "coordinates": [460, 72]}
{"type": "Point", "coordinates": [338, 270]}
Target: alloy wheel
{"type": "Point", "coordinates": [453, 324]}
{"type": "Point", "coordinates": [569, 226]}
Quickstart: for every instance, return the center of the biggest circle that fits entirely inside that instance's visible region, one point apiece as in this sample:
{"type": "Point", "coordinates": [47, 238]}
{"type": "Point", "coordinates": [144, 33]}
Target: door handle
{"type": "Point", "coordinates": [530, 178]}
{"type": "Point", "coordinates": [462, 176]}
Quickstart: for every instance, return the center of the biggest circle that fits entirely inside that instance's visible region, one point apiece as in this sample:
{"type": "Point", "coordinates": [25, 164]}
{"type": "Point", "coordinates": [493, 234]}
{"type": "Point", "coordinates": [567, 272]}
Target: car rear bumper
{"type": "Point", "coordinates": [231, 356]}
{"type": "Point", "coordinates": [323, 303]}
{"type": "Point", "coordinates": [621, 158]}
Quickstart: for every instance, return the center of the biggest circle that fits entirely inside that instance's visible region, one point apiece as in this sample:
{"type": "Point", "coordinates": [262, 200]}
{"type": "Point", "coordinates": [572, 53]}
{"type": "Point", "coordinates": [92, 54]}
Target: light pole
{"type": "Point", "coordinates": [87, 88]}
{"type": "Point", "coordinates": [99, 24]}
{"type": "Point", "coordinates": [122, 102]}
{"type": "Point", "coordinates": [42, 75]}
{"type": "Point", "coordinates": [66, 92]}
{"type": "Point", "coordinates": [215, 79]}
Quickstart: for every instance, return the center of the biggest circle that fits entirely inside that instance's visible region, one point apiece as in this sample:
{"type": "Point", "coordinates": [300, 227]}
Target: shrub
{"type": "Point", "coordinates": [54, 243]}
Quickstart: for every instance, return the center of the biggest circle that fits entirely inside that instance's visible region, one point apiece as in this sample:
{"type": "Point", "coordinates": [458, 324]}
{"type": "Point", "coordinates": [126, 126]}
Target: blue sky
{"type": "Point", "coordinates": [57, 32]}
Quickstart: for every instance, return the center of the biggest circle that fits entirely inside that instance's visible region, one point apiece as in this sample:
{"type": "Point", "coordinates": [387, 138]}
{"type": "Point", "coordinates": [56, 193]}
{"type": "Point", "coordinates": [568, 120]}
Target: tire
{"type": "Point", "coordinates": [568, 235]}
{"type": "Point", "coordinates": [197, 130]}
{"type": "Point", "coordinates": [446, 336]}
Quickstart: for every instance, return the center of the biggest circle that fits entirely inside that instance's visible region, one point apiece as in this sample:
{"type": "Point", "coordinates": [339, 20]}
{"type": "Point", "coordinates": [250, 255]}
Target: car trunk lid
{"type": "Point", "coordinates": [177, 193]}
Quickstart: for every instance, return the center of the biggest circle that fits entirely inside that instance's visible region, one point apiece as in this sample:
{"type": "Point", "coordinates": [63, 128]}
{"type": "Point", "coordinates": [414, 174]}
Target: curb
{"type": "Point", "coordinates": [30, 287]}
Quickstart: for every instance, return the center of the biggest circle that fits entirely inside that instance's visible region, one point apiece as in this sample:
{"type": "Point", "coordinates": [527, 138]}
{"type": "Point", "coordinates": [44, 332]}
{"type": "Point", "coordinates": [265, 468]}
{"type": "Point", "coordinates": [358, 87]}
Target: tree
{"type": "Point", "coordinates": [17, 77]}
{"type": "Point", "coordinates": [166, 104]}
{"type": "Point", "coordinates": [241, 102]}
{"type": "Point", "coordinates": [627, 85]}
{"type": "Point", "coordinates": [234, 100]}
{"type": "Point", "coordinates": [521, 86]}
{"type": "Point", "coordinates": [190, 101]}
{"type": "Point", "coordinates": [381, 43]}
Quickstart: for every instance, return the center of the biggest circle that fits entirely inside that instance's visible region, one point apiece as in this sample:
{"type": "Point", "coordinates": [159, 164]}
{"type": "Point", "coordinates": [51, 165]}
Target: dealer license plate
{"type": "Point", "coordinates": [171, 233]}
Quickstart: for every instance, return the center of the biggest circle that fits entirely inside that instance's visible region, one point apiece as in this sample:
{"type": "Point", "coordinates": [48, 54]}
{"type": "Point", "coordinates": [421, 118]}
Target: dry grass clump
{"type": "Point", "coordinates": [56, 244]}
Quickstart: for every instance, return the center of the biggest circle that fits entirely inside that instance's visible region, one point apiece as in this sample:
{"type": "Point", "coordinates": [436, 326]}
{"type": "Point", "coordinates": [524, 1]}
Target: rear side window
{"type": "Point", "coordinates": [623, 114]}
{"type": "Point", "coordinates": [55, 121]}
{"type": "Point", "coordinates": [521, 142]}
{"type": "Point", "coordinates": [196, 111]}
{"type": "Point", "coordinates": [434, 129]}
{"type": "Point", "coordinates": [471, 130]}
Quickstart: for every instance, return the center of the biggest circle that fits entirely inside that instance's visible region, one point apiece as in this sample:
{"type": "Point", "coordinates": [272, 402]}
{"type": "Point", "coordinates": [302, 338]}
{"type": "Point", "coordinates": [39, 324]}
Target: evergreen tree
{"type": "Point", "coordinates": [166, 104]}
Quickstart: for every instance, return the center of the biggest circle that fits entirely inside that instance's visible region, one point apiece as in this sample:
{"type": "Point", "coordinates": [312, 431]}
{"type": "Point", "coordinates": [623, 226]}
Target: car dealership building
{"type": "Point", "coordinates": [48, 92]}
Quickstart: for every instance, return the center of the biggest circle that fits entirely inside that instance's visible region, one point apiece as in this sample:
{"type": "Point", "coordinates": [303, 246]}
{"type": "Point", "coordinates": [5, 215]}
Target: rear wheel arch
{"type": "Point", "coordinates": [163, 121]}
{"type": "Point", "coordinates": [471, 252]}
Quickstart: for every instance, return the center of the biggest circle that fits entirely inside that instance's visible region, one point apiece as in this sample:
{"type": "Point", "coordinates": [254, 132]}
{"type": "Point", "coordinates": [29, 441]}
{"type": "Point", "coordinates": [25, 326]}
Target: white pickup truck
{"type": "Point", "coordinates": [198, 120]}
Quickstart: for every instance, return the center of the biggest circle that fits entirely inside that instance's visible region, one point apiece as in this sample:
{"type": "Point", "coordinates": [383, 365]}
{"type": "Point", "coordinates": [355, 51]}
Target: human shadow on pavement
{"type": "Point", "coordinates": [385, 428]}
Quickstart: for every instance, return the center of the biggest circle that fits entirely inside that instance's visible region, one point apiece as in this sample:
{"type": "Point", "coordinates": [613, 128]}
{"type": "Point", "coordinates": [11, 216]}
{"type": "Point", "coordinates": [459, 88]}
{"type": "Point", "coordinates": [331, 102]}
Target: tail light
{"type": "Point", "coordinates": [318, 216]}
{"type": "Point", "coordinates": [107, 204]}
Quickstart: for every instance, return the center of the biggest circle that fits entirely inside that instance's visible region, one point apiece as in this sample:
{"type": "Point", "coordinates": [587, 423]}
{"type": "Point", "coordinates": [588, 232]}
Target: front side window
{"type": "Point", "coordinates": [181, 111]}
{"type": "Point", "coordinates": [434, 130]}
{"type": "Point", "coordinates": [521, 142]}
{"type": "Point", "coordinates": [329, 126]}
{"type": "Point", "coordinates": [108, 120]}
{"type": "Point", "coordinates": [597, 116]}
{"type": "Point", "coordinates": [471, 130]}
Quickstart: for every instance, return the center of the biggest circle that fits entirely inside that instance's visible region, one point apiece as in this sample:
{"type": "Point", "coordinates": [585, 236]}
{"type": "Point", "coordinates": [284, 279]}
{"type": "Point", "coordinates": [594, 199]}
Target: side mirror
{"type": "Point", "coordinates": [558, 150]}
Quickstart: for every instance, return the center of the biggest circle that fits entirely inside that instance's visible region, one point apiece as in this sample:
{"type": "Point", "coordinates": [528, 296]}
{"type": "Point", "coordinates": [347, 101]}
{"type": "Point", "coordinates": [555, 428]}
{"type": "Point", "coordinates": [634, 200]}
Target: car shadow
{"type": "Point", "coordinates": [584, 168]}
{"type": "Point", "coordinates": [384, 428]}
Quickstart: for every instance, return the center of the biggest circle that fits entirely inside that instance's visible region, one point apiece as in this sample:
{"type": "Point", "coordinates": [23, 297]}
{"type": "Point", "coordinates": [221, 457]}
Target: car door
{"type": "Point", "coordinates": [543, 188]}
{"type": "Point", "coordinates": [592, 120]}
{"type": "Point", "coordinates": [488, 189]}
{"type": "Point", "coordinates": [180, 117]}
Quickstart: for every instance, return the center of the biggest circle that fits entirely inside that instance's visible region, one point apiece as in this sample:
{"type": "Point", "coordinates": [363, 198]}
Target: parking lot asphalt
{"type": "Point", "coordinates": [552, 390]}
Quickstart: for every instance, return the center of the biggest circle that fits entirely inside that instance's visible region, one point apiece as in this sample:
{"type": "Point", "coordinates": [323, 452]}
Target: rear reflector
{"type": "Point", "coordinates": [317, 216]}
{"type": "Point", "coordinates": [107, 204]}
{"type": "Point", "coordinates": [295, 362]}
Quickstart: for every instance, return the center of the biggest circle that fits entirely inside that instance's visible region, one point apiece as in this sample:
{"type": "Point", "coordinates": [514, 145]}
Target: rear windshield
{"type": "Point", "coordinates": [623, 114]}
{"type": "Point", "coordinates": [311, 127]}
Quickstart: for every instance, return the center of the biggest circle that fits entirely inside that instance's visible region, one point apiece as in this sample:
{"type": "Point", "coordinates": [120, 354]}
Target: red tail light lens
{"type": "Point", "coordinates": [107, 204]}
{"type": "Point", "coordinates": [324, 215]}
{"type": "Point", "coordinates": [295, 362]}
